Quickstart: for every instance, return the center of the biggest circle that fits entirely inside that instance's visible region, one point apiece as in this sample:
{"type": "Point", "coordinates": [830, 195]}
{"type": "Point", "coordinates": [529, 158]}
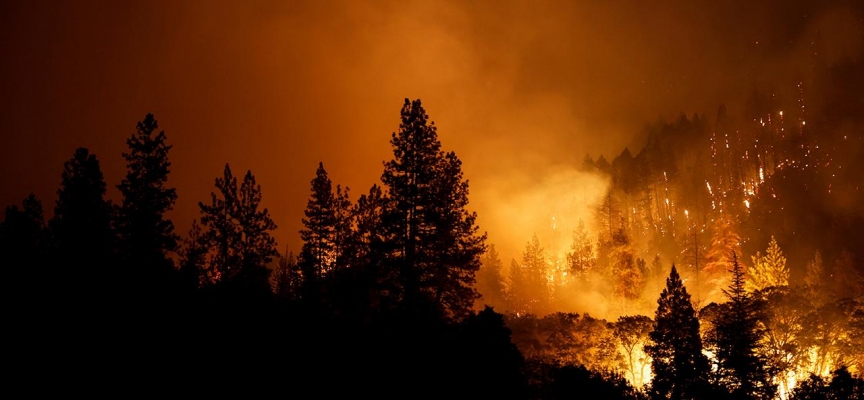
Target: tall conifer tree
{"type": "Point", "coordinates": [146, 236]}
{"type": "Point", "coordinates": [436, 244]}
{"type": "Point", "coordinates": [680, 369]}
{"type": "Point", "coordinates": [742, 368]}
{"type": "Point", "coordinates": [81, 231]}
{"type": "Point", "coordinates": [237, 233]}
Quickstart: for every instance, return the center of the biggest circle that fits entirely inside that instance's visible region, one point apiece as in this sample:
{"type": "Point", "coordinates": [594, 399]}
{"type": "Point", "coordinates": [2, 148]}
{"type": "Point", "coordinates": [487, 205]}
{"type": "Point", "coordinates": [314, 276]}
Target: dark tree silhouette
{"type": "Point", "coordinates": [21, 243]}
{"type": "Point", "coordinates": [843, 386]}
{"type": "Point", "coordinates": [146, 237]}
{"type": "Point", "coordinates": [535, 285]}
{"type": "Point", "coordinates": [222, 235]}
{"type": "Point", "coordinates": [326, 233]}
{"type": "Point", "coordinates": [742, 369]}
{"type": "Point", "coordinates": [680, 369]}
{"type": "Point", "coordinates": [486, 347]}
{"type": "Point", "coordinates": [237, 233]}
{"type": "Point", "coordinates": [81, 231]}
{"type": "Point", "coordinates": [319, 245]}
{"type": "Point", "coordinates": [22, 230]}
{"type": "Point", "coordinates": [577, 381]}
{"type": "Point", "coordinates": [582, 258]}
{"type": "Point", "coordinates": [193, 256]}
{"type": "Point", "coordinates": [435, 240]}
{"type": "Point", "coordinates": [490, 282]}
{"type": "Point", "coordinates": [287, 279]}
{"type": "Point", "coordinates": [373, 287]}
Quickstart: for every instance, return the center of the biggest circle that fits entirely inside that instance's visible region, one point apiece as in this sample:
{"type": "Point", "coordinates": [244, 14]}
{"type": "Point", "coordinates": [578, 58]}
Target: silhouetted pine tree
{"type": "Point", "coordinates": [146, 237]}
{"type": "Point", "coordinates": [288, 278]}
{"type": "Point", "coordinates": [326, 235]}
{"type": "Point", "coordinates": [680, 369]}
{"type": "Point", "coordinates": [237, 234]}
{"type": "Point", "coordinates": [21, 231]}
{"type": "Point", "coordinates": [193, 258]}
{"type": "Point", "coordinates": [436, 244]}
{"type": "Point", "coordinates": [581, 259]}
{"type": "Point", "coordinates": [490, 282]}
{"type": "Point", "coordinates": [21, 245]}
{"type": "Point", "coordinates": [742, 370]}
{"type": "Point", "coordinates": [372, 287]}
{"type": "Point", "coordinates": [81, 232]}
{"type": "Point", "coordinates": [534, 293]}
{"type": "Point", "coordinates": [457, 243]}
{"type": "Point", "coordinates": [318, 255]}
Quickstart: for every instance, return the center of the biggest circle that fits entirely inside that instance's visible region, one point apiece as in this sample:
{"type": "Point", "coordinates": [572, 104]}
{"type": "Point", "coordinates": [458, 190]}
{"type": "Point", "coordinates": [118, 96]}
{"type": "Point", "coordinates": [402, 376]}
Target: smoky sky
{"type": "Point", "coordinates": [521, 91]}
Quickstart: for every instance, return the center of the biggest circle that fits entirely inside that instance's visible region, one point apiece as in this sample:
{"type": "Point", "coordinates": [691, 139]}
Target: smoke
{"type": "Point", "coordinates": [517, 206]}
{"type": "Point", "coordinates": [521, 91]}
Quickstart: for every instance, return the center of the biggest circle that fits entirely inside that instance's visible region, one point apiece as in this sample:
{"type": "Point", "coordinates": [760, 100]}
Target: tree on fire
{"type": "Point", "coordinates": [632, 332]}
{"type": "Point", "coordinates": [436, 244]}
{"type": "Point", "coordinates": [724, 241]}
{"type": "Point", "coordinates": [784, 318]}
{"type": "Point", "coordinates": [770, 269]}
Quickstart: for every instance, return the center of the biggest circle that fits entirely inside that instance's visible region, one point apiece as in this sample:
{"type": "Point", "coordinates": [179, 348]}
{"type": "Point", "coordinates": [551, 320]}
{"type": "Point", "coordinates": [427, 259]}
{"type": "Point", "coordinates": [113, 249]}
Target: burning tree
{"type": "Point", "coordinates": [724, 242]}
{"type": "Point", "coordinates": [770, 269]}
{"type": "Point", "coordinates": [786, 310]}
{"type": "Point", "coordinates": [632, 333]}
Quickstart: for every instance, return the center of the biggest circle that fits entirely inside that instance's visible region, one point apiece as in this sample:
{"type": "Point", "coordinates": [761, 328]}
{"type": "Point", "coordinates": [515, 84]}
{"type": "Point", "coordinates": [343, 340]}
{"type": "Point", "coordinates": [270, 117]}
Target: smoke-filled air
{"type": "Point", "coordinates": [442, 199]}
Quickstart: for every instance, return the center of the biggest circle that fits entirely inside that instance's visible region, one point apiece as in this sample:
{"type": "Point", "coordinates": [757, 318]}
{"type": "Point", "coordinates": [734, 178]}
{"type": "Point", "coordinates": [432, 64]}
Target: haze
{"type": "Point", "coordinates": [521, 91]}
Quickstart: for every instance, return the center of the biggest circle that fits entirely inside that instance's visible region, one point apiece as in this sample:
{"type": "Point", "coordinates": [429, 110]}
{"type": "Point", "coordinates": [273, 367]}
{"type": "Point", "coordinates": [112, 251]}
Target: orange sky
{"type": "Point", "coordinates": [520, 90]}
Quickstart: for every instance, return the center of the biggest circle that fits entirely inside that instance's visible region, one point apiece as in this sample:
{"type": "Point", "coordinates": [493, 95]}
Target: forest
{"type": "Point", "coordinates": [398, 294]}
{"type": "Point", "coordinates": [594, 200]}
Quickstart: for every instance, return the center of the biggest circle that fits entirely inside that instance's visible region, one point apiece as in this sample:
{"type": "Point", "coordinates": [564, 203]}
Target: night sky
{"type": "Point", "coordinates": [521, 91]}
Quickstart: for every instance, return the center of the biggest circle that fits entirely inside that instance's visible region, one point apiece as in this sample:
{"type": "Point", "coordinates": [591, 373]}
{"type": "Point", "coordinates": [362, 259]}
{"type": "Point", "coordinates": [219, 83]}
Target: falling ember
{"type": "Point", "coordinates": [747, 203]}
